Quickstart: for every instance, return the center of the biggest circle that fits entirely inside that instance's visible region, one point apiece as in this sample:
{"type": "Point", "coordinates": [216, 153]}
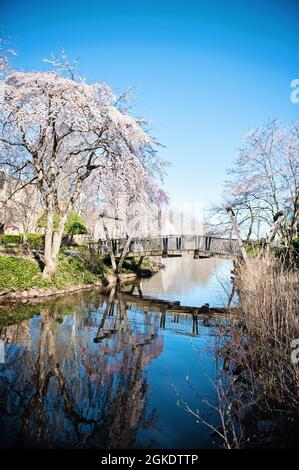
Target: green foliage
{"type": "Point", "coordinates": [43, 220]}
{"type": "Point", "coordinates": [19, 273]}
{"type": "Point", "coordinates": [130, 265]}
{"type": "Point", "coordinates": [295, 250]}
{"type": "Point", "coordinates": [12, 315]}
{"type": "Point", "coordinates": [36, 240]}
{"type": "Point", "coordinates": [75, 225]}
{"type": "Point", "coordinates": [71, 270]}
{"type": "Point", "coordinates": [253, 248]}
{"type": "Point", "coordinates": [11, 239]}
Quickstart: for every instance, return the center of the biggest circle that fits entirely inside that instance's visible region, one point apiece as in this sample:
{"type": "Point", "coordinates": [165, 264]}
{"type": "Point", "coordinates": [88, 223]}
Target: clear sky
{"type": "Point", "coordinates": [204, 72]}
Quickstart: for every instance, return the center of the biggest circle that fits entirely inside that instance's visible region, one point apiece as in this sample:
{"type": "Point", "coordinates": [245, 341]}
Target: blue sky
{"type": "Point", "coordinates": [204, 72]}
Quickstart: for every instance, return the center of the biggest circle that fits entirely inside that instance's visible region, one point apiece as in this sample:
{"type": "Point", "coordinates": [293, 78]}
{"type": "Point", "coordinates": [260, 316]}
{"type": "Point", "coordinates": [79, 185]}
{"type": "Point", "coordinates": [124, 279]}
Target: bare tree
{"type": "Point", "coordinates": [264, 182]}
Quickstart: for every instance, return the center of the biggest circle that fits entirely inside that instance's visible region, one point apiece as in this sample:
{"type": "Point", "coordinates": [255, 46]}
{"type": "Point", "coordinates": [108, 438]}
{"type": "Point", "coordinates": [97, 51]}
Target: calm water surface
{"type": "Point", "coordinates": [94, 371]}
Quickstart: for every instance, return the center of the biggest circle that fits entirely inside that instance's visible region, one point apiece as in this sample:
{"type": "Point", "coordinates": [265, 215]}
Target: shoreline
{"type": "Point", "coordinates": [28, 295]}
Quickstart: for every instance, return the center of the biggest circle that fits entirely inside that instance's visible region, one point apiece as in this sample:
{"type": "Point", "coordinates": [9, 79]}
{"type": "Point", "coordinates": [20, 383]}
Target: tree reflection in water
{"type": "Point", "coordinates": [77, 380]}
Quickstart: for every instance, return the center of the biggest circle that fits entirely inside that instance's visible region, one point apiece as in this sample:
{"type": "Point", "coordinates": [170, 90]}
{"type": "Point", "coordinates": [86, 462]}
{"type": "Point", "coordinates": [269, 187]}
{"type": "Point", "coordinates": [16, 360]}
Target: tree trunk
{"type": "Point", "coordinates": [238, 234]}
{"type": "Point", "coordinates": [57, 237]}
{"type": "Point", "coordinates": [124, 254]}
{"type": "Point", "coordinates": [52, 243]}
{"type": "Point", "coordinates": [249, 233]}
{"type": "Point", "coordinates": [109, 242]}
{"type": "Point", "coordinates": [48, 268]}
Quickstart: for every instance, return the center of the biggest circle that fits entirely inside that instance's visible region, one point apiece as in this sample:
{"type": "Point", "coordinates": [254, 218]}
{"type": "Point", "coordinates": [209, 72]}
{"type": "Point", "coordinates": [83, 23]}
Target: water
{"type": "Point", "coordinates": [71, 379]}
{"type": "Point", "coordinates": [192, 282]}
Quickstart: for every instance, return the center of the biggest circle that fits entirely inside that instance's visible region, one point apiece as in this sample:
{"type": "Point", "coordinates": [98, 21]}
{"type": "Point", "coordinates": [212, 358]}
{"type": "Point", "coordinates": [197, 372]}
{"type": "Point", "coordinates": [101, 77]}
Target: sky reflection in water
{"type": "Point", "coordinates": [93, 371]}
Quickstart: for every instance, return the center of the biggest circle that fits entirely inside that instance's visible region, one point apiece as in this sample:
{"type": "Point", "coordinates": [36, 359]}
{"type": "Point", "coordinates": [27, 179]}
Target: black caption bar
{"type": "Point", "coordinates": [133, 459]}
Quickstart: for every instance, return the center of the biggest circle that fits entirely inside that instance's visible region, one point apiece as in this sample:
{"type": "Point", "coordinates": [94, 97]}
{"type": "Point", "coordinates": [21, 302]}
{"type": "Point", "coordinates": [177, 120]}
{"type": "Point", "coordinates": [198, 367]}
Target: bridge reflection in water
{"type": "Point", "coordinates": [91, 371]}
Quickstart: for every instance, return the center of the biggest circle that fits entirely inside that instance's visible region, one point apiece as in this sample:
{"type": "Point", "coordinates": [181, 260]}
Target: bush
{"type": "Point", "coordinates": [75, 225]}
{"type": "Point", "coordinates": [42, 221]}
{"type": "Point", "coordinates": [36, 241]}
{"type": "Point", "coordinates": [71, 270]}
{"type": "Point", "coordinates": [11, 239]}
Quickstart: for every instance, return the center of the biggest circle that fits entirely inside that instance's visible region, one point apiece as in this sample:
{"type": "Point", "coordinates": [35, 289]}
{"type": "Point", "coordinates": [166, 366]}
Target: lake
{"type": "Point", "coordinates": [91, 370]}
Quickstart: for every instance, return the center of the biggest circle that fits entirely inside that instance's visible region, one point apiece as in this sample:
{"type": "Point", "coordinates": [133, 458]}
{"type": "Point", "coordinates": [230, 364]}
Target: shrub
{"type": "Point", "coordinates": [254, 248]}
{"type": "Point", "coordinates": [75, 225]}
{"type": "Point", "coordinates": [11, 239]}
{"type": "Point", "coordinates": [71, 270]}
{"type": "Point", "coordinates": [36, 241]}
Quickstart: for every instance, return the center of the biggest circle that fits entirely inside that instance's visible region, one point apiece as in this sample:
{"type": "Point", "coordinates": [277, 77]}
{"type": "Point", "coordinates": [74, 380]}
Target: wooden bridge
{"type": "Point", "coordinates": [173, 246]}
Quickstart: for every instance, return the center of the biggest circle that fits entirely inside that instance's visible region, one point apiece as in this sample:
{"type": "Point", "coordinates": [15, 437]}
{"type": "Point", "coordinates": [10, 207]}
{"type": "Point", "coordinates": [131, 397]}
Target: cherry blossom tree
{"type": "Point", "coordinates": [6, 52]}
{"type": "Point", "coordinates": [63, 135]}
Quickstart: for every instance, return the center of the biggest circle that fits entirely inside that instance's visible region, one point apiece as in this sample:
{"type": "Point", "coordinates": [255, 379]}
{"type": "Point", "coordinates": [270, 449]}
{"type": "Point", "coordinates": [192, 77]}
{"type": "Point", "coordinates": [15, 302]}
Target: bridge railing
{"type": "Point", "coordinates": [199, 243]}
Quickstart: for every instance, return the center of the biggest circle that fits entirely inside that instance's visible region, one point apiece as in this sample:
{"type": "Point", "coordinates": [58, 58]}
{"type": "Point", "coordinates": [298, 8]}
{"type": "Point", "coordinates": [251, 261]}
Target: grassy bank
{"type": "Point", "coordinates": [262, 382]}
{"type": "Point", "coordinates": [21, 273]}
{"type": "Point", "coordinates": [17, 273]}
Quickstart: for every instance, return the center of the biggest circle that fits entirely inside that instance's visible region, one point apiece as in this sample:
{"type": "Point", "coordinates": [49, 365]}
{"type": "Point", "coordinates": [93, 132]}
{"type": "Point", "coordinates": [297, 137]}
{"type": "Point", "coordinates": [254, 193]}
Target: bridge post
{"type": "Point", "coordinates": [196, 247]}
{"type": "Point", "coordinates": [163, 319]}
{"type": "Point", "coordinates": [165, 247]}
{"type": "Point", "coordinates": [195, 323]}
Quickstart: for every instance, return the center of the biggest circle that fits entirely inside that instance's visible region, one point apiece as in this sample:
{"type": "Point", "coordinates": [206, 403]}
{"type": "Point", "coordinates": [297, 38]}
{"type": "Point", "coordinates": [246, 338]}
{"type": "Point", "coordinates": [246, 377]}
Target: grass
{"type": "Point", "coordinates": [260, 337]}
{"type": "Point", "coordinates": [20, 273]}
{"type": "Point", "coordinates": [72, 270]}
{"type": "Point", "coordinates": [269, 314]}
